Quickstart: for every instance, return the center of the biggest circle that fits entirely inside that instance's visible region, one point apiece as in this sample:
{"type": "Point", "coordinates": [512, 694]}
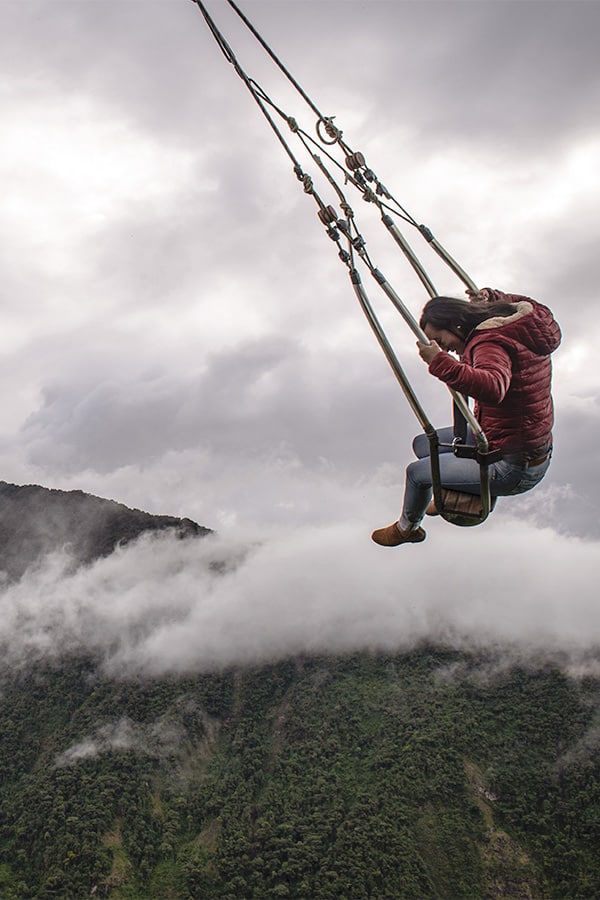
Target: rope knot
{"type": "Point", "coordinates": [308, 184]}
{"type": "Point", "coordinates": [332, 133]}
{"type": "Point", "coordinates": [293, 125]}
{"type": "Point", "coordinates": [331, 130]}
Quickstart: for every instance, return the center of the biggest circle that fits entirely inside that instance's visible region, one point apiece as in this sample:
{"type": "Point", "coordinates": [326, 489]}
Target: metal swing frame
{"type": "Point", "coordinates": [362, 177]}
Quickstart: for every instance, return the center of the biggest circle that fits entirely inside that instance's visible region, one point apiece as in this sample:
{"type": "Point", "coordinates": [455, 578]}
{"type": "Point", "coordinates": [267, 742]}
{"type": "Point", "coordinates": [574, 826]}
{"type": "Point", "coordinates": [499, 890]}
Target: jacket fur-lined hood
{"type": "Point", "coordinates": [532, 325]}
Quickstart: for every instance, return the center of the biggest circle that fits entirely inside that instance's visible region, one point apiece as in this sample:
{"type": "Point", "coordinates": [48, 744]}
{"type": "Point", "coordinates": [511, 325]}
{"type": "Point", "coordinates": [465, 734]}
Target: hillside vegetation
{"type": "Point", "coordinates": [421, 775]}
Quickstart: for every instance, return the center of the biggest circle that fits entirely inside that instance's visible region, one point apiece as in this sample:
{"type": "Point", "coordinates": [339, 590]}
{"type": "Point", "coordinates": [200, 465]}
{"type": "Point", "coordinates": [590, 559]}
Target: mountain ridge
{"type": "Point", "coordinates": [35, 521]}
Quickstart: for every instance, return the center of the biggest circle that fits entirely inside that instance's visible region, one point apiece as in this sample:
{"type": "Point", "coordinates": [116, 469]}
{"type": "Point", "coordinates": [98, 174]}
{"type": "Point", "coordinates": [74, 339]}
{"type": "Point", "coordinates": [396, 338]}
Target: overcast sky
{"type": "Point", "coordinates": [179, 334]}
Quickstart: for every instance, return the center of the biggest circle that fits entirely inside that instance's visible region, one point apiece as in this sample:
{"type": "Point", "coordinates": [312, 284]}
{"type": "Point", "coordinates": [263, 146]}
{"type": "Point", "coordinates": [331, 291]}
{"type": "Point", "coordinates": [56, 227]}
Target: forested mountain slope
{"type": "Point", "coordinates": [360, 777]}
{"type": "Point", "coordinates": [35, 520]}
{"type": "Point", "coordinates": [427, 774]}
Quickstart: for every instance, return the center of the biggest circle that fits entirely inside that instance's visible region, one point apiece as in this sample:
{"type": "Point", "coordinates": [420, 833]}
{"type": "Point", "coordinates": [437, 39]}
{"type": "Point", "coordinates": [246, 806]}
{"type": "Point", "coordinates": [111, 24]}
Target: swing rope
{"type": "Point", "coordinates": [358, 174]}
{"type": "Point", "coordinates": [355, 161]}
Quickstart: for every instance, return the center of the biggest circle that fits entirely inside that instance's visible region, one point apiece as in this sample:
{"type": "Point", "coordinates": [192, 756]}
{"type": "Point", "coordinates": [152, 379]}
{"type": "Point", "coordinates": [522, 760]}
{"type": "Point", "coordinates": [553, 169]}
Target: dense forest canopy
{"type": "Point", "coordinates": [421, 775]}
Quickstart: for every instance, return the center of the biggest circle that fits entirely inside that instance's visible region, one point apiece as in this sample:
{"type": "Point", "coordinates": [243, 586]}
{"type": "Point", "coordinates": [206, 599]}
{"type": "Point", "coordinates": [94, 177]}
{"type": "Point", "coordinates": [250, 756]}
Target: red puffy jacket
{"type": "Point", "coordinates": [506, 368]}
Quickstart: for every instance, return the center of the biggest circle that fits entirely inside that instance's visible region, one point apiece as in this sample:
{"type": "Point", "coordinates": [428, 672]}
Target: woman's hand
{"type": "Point", "coordinates": [428, 351]}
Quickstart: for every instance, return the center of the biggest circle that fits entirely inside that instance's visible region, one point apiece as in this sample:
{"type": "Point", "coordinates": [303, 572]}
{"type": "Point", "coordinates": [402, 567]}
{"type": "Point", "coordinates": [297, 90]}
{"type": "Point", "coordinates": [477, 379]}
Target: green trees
{"type": "Point", "coordinates": [369, 776]}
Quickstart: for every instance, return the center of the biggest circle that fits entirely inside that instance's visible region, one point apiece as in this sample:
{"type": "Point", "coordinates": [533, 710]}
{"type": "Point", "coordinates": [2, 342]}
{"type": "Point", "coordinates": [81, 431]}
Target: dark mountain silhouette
{"type": "Point", "coordinates": [35, 521]}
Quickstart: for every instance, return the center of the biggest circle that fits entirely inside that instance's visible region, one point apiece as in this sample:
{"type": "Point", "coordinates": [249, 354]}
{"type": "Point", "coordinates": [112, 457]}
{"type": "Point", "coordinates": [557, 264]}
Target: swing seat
{"type": "Point", "coordinates": [460, 508]}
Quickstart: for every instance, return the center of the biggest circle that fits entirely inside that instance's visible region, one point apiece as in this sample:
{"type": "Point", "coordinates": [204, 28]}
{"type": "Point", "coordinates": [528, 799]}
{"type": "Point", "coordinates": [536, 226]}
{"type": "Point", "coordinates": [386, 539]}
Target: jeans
{"type": "Point", "coordinates": [506, 477]}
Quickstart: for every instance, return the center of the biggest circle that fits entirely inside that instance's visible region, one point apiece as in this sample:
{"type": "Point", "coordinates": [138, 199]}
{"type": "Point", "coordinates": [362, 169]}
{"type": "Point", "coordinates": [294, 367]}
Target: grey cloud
{"type": "Point", "coordinates": [259, 396]}
{"type": "Point", "coordinates": [572, 276]}
{"type": "Point", "coordinates": [572, 485]}
{"type": "Point", "coordinates": [493, 71]}
{"type": "Point", "coordinates": [144, 58]}
{"type": "Point", "coordinates": [533, 64]}
{"type": "Point", "coordinates": [167, 255]}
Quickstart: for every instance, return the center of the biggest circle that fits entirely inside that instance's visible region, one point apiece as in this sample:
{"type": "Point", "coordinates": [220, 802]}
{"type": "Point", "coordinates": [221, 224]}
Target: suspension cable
{"type": "Point", "coordinates": [354, 160]}
{"type": "Point", "coordinates": [363, 173]}
{"type": "Point", "coordinates": [327, 214]}
{"type": "Point", "coordinates": [361, 177]}
{"type": "Point", "coordinates": [275, 59]}
{"type": "Point", "coordinates": [230, 57]}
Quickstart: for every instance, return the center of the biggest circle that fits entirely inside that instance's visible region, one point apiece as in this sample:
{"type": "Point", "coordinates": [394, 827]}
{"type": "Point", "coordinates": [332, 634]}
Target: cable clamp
{"type": "Point", "coordinates": [470, 451]}
{"type": "Point", "coordinates": [327, 215]}
{"type": "Point", "coordinates": [333, 133]}
{"type": "Point", "coordinates": [355, 161]}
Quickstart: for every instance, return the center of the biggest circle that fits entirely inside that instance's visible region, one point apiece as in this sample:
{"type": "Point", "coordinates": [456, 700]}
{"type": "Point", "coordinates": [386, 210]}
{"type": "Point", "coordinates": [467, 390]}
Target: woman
{"type": "Point", "coordinates": [503, 343]}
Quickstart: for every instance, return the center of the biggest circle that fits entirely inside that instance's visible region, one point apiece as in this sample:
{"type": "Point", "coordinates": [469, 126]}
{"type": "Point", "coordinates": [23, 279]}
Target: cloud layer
{"type": "Point", "coordinates": [165, 606]}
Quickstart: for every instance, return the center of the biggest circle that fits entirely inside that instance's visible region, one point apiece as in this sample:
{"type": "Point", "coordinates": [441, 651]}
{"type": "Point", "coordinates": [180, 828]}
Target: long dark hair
{"type": "Point", "coordinates": [448, 313]}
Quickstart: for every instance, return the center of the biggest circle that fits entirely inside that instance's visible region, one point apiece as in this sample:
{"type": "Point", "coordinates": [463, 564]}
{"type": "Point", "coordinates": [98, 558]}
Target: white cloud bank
{"type": "Point", "coordinates": [164, 606]}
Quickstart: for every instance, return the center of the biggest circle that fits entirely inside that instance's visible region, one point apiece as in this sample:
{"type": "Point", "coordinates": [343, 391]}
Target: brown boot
{"type": "Point", "coordinates": [392, 536]}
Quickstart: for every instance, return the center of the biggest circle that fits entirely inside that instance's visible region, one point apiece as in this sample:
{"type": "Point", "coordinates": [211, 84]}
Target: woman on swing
{"type": "Point", "coordinates": [503, 343]}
